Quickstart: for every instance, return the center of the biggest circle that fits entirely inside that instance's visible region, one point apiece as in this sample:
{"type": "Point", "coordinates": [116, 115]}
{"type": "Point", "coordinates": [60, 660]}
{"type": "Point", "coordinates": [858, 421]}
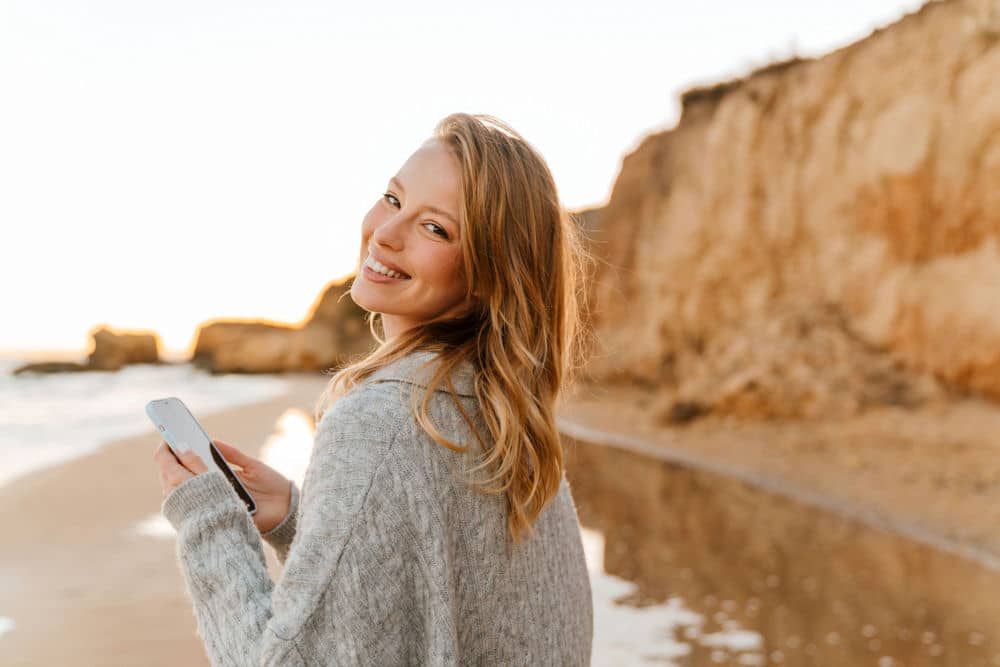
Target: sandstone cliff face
{"type": "Point", "coordinates": [333, 332]}
{"type": "Point", "coordinates": [866, 182]}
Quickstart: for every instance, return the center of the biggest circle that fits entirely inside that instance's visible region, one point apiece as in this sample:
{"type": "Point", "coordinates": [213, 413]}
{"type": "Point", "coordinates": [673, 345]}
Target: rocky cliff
{"type": "Point", "coordinates": [852, 200]}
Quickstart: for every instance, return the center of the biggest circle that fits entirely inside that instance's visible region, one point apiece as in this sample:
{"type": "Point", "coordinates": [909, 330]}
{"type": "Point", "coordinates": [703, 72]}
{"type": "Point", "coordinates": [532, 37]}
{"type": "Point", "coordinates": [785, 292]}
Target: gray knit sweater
{"type": "Point", "coordinates": [389, 558]}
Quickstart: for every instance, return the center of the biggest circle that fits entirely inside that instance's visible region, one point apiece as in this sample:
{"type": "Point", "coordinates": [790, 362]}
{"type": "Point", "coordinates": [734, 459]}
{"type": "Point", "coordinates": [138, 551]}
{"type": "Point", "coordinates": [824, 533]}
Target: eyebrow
{"type": "Point", "coordinates": [432, 209]}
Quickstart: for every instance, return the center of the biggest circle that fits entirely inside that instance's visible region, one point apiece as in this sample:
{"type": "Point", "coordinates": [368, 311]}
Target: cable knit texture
{"type": "Point", "coordinates": [389, 557]}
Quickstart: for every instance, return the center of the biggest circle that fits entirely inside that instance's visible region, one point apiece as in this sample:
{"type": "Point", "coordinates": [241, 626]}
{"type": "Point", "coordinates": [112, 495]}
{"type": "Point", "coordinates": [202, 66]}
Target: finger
{"type": "Point", "coordinates": [233, 454]}
{"type": "Point", "coordinates": [193, 462]}
{"type": "Point", "coordinates": [172, 472]}
{"type": "Point", "coordinates": [164, 453]}
{"type": "Point", "coordinates": [167, 460]}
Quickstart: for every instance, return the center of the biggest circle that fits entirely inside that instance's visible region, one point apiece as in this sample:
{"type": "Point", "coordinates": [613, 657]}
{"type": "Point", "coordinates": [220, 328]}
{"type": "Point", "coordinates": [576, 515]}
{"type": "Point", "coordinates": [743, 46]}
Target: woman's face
{"type": "Point", "coordinates": [413, 230]}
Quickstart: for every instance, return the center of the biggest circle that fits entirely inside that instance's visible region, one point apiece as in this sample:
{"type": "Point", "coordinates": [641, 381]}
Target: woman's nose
{"type": "Point", "coordinates": [389, 233]}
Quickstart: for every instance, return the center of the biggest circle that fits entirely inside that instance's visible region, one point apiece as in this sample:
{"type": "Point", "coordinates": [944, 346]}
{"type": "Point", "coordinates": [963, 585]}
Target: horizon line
{"type": "Point", "coordinates": [73, 354]}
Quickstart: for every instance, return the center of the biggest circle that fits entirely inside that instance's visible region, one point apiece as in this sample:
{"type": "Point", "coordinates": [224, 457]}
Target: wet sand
{"type": "Point", "coordinates": [931, 474]}
{"type": "Point", "coordinates": [80, 584]}
{"type": "Point", "coordinates": [83, 587]}
{"type": "Point", "coordinates": [817, 588]}
{"type": "Point", "coordinates": [866, 541]}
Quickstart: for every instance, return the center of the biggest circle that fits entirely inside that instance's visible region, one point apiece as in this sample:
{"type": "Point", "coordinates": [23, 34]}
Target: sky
{"type": "Point", "coordinates": [167, 163]}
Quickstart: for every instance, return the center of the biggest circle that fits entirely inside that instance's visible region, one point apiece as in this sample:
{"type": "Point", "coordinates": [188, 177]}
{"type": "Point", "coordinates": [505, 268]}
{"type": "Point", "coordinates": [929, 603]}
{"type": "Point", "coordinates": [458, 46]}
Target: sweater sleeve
{"type": "Point", "coordinates": [280, 537]}
{"type": "Point", "coordinates": [242, 616]}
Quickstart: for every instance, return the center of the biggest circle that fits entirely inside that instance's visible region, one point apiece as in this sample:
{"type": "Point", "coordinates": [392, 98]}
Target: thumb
{"type": "Point", "coordinates": [234, 454]}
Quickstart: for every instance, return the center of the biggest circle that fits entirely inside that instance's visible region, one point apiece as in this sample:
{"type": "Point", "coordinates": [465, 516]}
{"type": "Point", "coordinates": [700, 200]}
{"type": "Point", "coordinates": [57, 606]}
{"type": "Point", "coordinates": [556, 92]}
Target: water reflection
{"type": "Point", "coordinates": [288, 449]}
{"type": "Point", "coordinates": [692, 568]}
{"type": "Point", "coordinates": [817, 588]}
{"type": "Point", "coordinates": [625, 634]}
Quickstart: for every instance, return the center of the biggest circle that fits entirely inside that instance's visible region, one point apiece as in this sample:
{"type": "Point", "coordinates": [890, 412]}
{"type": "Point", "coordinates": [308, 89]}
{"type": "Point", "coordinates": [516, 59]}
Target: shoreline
{"type": "Point", "coordinates": [30, 355]}
{"type": "Point", "coordinates": [869, 516]}
{"type": "Point", "coordinates": [927, 475]}
{"type": "Point", "coordinates": [58, 444]}
{"type": "Point", "coordinates": [78, 570]}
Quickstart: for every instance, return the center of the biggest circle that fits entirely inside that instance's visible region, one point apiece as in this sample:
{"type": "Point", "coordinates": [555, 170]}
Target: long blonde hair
{"type": "Point", "coordinates": [524, 264]}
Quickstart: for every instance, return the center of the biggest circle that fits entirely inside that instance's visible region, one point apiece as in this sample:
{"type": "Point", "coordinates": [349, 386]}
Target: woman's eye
{"type": "Point", "coordinates": [435, 228]}
{"type": "Point", "coordinates": [438, 229]}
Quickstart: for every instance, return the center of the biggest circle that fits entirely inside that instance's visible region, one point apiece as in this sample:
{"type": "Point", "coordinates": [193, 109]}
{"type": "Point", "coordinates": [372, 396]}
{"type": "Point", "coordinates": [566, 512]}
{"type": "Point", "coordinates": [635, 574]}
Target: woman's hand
{"type": "Point", "coordinates": [175, 470]}
{"type": "Point", "coordinates": [271, 491]}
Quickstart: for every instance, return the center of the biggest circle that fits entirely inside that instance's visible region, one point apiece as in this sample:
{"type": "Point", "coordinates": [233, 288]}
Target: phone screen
{"type": "Point", "coordinates": [182, 432]}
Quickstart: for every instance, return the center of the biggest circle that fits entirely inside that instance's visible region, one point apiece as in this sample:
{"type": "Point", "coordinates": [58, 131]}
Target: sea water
{"type": "Point", "coordinates": [48, 418]}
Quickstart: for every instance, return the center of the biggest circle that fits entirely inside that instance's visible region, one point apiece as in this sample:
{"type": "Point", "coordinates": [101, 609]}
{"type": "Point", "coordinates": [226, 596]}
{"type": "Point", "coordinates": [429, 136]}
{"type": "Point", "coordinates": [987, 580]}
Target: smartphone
{"type": "Point", "coordinates": [182, 432]}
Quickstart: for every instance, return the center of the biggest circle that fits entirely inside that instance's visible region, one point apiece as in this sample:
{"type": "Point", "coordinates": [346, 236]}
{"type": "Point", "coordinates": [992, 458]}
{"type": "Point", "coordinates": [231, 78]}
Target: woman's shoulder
{"type": "Point", "coordinates": [375, 421]}
{"type": "Point", "coordinates": [418, 368]}
{"type": "Point", "coordinates": [383, 399]}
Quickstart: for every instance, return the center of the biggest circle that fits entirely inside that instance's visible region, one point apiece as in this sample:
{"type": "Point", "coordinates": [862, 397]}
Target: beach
{"type": "Point", "coordinates": [89, 574]}
{"type": "Point", "coordinates": [83, 584]}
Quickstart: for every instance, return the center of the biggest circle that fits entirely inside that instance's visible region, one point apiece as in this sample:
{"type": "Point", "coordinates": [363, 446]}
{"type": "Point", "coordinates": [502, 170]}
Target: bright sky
{"type": "Point", "coordinates": [164, 163]}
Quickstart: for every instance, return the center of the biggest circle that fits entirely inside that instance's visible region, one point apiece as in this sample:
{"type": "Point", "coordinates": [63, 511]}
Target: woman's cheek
{"type": "Point", "coordinates": [456, 274]}
{"type": "Point", "coordinates": [368, 225]}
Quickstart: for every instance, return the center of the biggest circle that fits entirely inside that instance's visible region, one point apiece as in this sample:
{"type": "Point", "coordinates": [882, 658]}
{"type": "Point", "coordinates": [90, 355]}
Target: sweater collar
{"type": "Point", "coordinates": [408, 369]}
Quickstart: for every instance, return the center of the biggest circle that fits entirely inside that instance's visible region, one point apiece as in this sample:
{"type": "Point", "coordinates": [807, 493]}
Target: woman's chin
{"type": "Point", "coordinates": [358, 296]}
{"type": "Point", "coordinates": [365, 301]}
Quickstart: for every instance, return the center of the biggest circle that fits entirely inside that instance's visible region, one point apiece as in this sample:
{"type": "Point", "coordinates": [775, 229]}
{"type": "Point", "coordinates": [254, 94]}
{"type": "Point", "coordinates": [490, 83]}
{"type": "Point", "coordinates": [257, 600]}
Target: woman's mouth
{"type": "Point", "coordinates": [378, 272]}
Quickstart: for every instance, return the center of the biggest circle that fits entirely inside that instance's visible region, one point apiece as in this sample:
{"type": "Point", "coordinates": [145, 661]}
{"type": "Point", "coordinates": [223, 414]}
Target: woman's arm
{"type": "Point", "coordinates": [340, 593]}
{"type": "Point", "coordinates": [225, 572]}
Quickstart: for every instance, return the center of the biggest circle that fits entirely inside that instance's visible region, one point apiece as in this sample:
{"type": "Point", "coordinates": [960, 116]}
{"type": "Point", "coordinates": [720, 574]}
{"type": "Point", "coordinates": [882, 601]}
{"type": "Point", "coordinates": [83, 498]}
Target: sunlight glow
{"type": "Point", "coordinates": [168, 163]}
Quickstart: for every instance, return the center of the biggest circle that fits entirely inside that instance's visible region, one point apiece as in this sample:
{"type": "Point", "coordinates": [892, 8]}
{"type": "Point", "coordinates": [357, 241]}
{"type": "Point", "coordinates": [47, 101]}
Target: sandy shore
{"type": "Point", "coordinates": [929, 474]}
{"type": "Point", "coordinates": [80, 584]}
{"type": "Point", "coordinates": [84, 587]}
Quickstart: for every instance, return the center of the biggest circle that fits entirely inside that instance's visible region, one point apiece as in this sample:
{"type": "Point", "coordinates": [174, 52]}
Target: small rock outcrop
{"type": "Point", "coordinates": [334, 332]}
{"type": "Point", "coordinates": [50, 367]}
{"type": "Point", "coordinates": [110, 351]}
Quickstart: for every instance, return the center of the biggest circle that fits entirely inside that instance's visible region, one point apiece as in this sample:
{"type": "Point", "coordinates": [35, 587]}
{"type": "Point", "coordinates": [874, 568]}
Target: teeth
{"type": "Point", "coordinates": [376, 266]}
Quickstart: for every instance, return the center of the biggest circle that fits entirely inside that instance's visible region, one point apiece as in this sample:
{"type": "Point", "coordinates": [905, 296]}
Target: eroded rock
{"type": "Point", "coordinates": [866, 181]}
{"type": "Point", "coordinates": [334, 332]}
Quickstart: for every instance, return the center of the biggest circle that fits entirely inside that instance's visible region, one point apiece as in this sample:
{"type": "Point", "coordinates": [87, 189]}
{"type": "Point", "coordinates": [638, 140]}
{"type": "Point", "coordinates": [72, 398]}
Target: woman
{"type": "Point", "coordinates": [434, 525]}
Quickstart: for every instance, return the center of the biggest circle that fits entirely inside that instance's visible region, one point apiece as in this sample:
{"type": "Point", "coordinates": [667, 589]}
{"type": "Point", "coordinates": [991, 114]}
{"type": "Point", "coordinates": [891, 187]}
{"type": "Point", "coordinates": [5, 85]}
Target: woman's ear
{"type": "Point", "coordinates": [473, 302]}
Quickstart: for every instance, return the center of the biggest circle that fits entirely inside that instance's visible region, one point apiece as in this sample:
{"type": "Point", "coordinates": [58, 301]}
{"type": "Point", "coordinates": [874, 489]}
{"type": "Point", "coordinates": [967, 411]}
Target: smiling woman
{"type": "Point", "coordinates": [469, 253]}
{"type": "Point", "coordinates": [435, 524]}
{"type": "Point", "coordinates": [411, 253]}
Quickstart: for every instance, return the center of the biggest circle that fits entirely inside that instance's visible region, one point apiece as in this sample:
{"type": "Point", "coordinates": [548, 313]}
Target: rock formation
{"type": "Point", "coordinates": [863, 186]}
{"type": "Point", "coordinates": [334, 332]}
{"type": "Point", "coordinates": [113, 349]}
{"type": "Point", "coordinates": [110, 351]}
